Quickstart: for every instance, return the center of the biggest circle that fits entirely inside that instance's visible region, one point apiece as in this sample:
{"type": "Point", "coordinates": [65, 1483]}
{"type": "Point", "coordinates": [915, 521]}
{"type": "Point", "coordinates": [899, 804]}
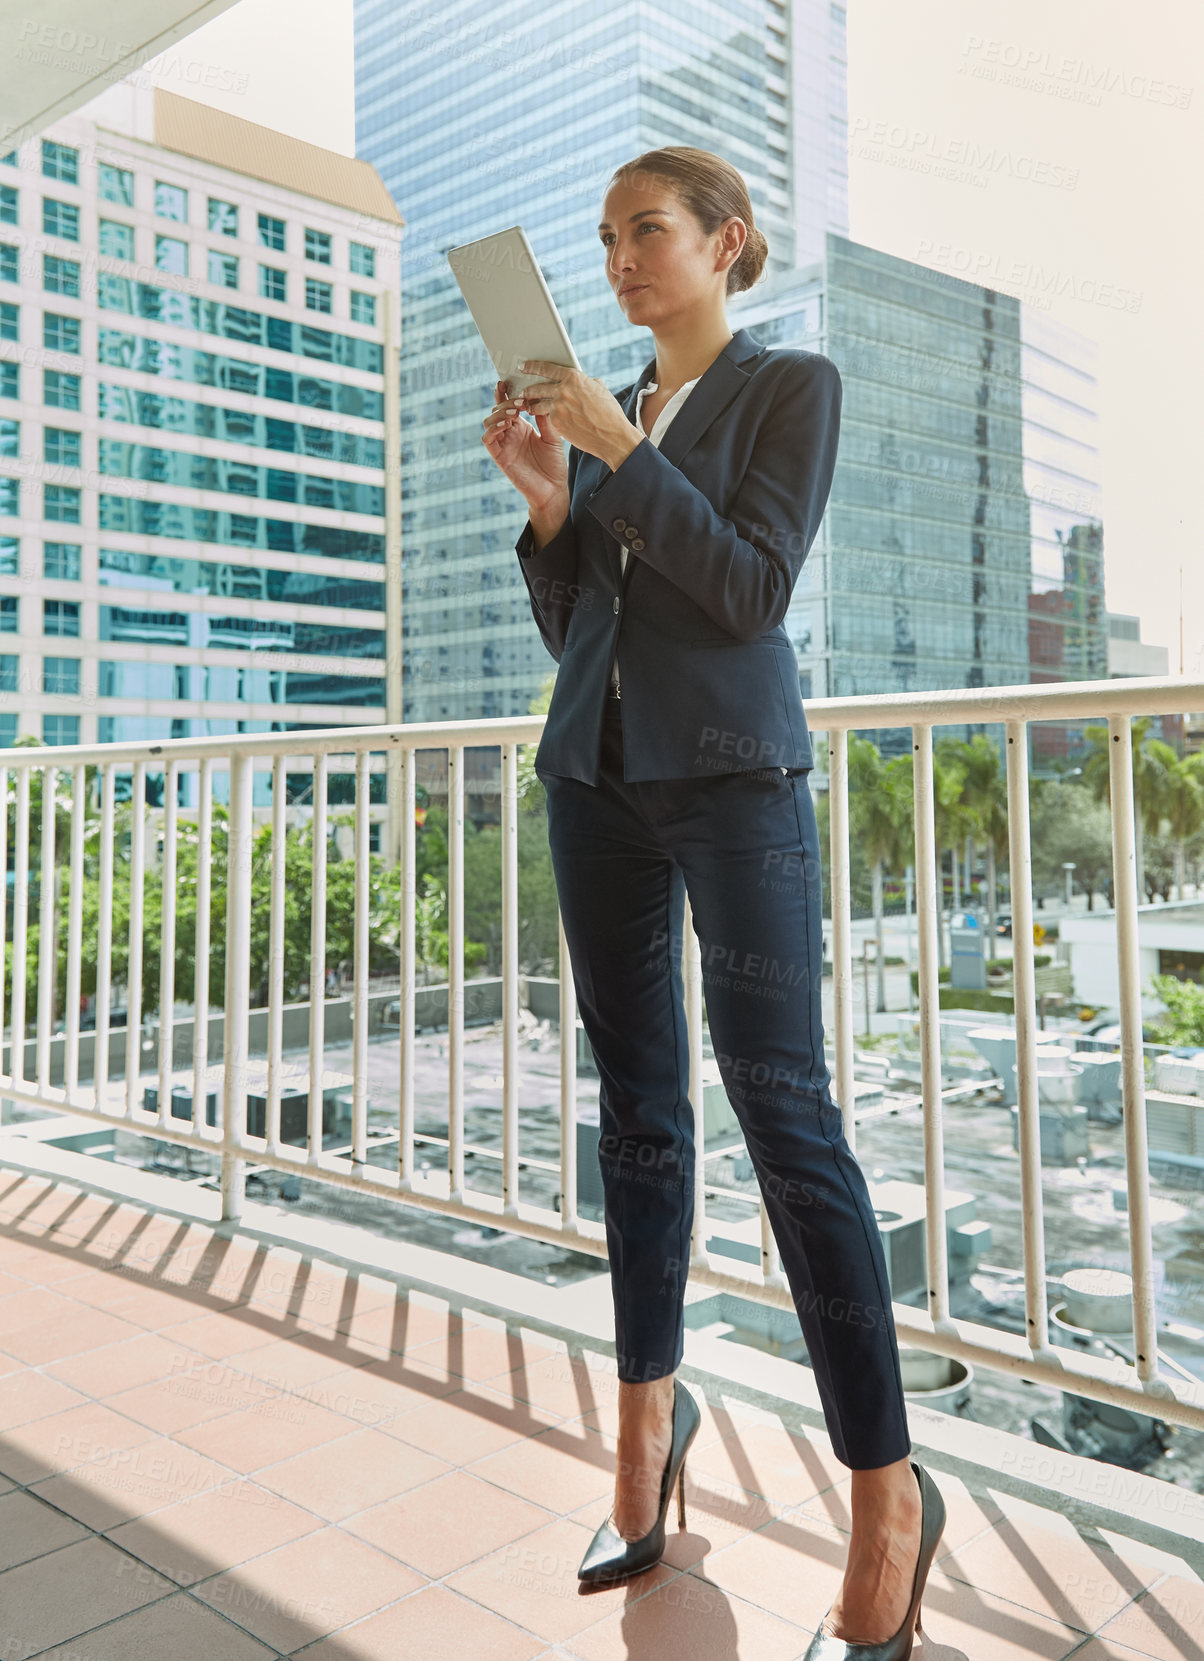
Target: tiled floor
{"type": "Point", "coordinates": [210, 1449]}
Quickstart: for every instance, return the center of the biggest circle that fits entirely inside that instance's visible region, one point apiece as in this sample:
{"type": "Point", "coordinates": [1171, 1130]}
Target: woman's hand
{"type": "Point", "coordinates": [532, 458]}
{"type": "Point", "coordinates": [581, 408]}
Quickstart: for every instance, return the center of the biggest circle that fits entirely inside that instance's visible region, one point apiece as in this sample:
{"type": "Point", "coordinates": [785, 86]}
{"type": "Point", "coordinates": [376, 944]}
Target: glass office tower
{"type": "Point", "coordinates": [962, 543]}
{"type": "Point", "coordinates": [193, 427]}
{"type": "Point", "coordinates": [477, 121]}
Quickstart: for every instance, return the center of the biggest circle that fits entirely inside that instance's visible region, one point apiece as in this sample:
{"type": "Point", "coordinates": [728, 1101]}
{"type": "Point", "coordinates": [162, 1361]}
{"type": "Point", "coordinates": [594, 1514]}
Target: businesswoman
{"type": "Point", "coordinates": [660, 560]}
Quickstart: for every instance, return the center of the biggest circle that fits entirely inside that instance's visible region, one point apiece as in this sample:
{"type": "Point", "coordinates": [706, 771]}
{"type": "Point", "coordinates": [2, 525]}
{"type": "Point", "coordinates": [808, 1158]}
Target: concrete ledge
{"type": "Point", "coordinates": [1093, 1495]}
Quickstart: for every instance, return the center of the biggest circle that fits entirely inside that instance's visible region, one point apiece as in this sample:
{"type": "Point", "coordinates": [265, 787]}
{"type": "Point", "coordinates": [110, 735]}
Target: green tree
{"type": "Point", "coordinates": [1183, 1022]}
{"type": "Point", "coordinates": [1151, 761]}
{"type": "Point", "coordinates": [1067, 823]}
{"type": "Point", "coordinates": [879, 818]}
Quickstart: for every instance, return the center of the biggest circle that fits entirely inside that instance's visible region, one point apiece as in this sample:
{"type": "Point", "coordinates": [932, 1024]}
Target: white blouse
{"type": "Point", "coordinates": [659, 428]}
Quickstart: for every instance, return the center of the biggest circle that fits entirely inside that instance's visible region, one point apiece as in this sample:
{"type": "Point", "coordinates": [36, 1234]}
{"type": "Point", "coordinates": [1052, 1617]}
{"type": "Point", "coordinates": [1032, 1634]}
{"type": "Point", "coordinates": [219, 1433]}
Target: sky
{"type": "Point", "coordinates": [1051, 152]}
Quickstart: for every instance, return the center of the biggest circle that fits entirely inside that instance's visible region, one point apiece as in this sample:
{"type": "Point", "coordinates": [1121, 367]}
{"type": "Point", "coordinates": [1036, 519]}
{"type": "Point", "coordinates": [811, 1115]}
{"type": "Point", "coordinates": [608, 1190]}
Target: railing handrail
{"type": "Point", "coordinates": [976, 705]}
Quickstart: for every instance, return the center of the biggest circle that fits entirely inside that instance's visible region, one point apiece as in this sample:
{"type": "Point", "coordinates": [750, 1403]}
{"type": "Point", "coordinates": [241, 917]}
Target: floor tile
{"type": "Point", "coordinates": [68, 1334]}
{"type": "Point", "coordinates": [215, 1532]}
{"type": "Point", "coordinates": [480, 1352]}
{"type": "Point", "coordinates": [263, 1435]}
{"type": "Point", "coordinates": [29, 1394]}
{"type": "Point", "coordinates": [448, 1523]}
{"type": "Point", "coordinates": [28, 1528]}
{"type": "Point", "coordinates": [102, 1373]}
{"type": "Point", "coordinates": [562, 1468]}
{"type": "Point", "coordinates": [122, 1483]}
{"type": "Point", "coordinates": [63, 1440]}
{"type": "Point", "coordinates": [307, 1589]}
{"type": "Point", "coordinates": [1167, 1622]}
{"type": "Point", "coordinates": [432, 1625]}
{"type": "Point", "coordinates": [351, 1474]}
{"type": "Point", "coordinates": [533, 1582]}
{"type": "Point", "coordinates": [467, 1424]}
{"type": "Point", "coordinates": [780, 1466]}
{"type": "Point", "coordinates": [1052, 1570]}
{"type": "Point", "coordinates": [688, 1620]}
{"type": "Point", "coordinates": [177, 1627]}
{"type": "Point", "coordinates": [55, 1598]}
{"type": "Point", "coordinates": [195, 1390]}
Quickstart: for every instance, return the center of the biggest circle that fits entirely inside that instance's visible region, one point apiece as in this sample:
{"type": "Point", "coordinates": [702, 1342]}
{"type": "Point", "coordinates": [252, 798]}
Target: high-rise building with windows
{"type": "Point", "coordinates": [522, 122]}
{"type": "Point", "coordinates": [197, 336]}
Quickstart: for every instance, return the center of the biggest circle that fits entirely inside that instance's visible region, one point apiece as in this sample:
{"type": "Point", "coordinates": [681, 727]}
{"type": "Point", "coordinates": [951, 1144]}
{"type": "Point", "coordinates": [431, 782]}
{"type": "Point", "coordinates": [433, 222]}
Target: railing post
{"type": "Point", "coordinates": [1132, 1053]}
{"type": "Point", "coordinates": [238, 985]}
{"type": "Point", "coordinates": [937, 1254]}
{"type": "Point", "coordinates": [1025, 1015]}
{"type": "Point", "coordinates": [509, 815]}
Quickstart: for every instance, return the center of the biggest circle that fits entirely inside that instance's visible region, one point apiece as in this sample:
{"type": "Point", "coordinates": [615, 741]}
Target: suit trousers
{"type": "Point", "coordinates": [745, 847]}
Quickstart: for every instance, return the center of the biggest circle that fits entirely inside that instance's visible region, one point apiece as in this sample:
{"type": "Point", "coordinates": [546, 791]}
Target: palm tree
{"type": "Point", "coordinates": [1152, 760]}
{"type": "Point", "coordinates": [876, 821]}
{"type": "Point", "coordinates": [952, 816]}
{"type": "Point", "coordinates": [984, 793]}
{"type": "Point", "coordinates": [1184, 809]}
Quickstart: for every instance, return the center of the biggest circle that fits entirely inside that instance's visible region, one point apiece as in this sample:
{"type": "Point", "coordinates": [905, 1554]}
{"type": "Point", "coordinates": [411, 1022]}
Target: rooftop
{"type": "Point", "coordinates": [210, 135]}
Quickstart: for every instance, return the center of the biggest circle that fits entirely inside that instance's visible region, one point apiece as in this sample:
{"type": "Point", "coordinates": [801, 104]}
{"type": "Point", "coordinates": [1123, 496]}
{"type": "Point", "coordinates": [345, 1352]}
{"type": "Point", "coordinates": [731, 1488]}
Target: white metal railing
{"type": "Point", "coordinates": [1032, 1357]}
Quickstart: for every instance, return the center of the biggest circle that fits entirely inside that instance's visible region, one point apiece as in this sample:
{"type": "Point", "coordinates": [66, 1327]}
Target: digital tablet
{"type": "Point", "coordinates": [511, 305]}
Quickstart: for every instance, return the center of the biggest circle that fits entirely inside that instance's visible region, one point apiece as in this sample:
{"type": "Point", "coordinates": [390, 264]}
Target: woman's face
{"type": "Point", "coordinates": [658, 262]}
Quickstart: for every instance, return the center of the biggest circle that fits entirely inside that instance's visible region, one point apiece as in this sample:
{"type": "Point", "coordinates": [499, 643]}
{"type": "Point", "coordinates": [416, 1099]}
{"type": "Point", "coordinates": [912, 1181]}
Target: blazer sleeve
{"type": "Point", "coordinates": [550, 573]}
{"type": "Point", "coordinates": [741, 571]}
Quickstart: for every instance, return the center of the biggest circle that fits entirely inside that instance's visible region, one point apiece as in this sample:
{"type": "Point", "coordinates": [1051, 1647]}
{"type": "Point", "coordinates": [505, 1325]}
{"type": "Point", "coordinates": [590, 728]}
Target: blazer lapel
{"type": "Point", "coordinates": [717, 386]}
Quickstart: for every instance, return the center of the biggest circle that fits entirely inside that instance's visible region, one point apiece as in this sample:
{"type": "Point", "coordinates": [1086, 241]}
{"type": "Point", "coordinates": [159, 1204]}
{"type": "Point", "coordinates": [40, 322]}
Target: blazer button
{"type": "Point", "coordinates": [616, 604]}
{"type": "Point", "coordinates": [619, 524]}
{"type": "Point", "coordinates": [636, 544]}
{"type": "Point", "coordinates": [629, 531]}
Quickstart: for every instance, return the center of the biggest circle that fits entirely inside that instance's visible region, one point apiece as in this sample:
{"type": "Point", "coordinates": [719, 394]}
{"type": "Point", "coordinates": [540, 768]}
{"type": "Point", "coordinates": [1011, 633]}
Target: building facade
{"type": "Point", "coordinates": [197, 319]}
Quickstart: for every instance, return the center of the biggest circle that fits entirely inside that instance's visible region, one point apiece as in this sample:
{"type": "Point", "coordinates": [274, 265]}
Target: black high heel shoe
{"type": "Point", "coordinates": [609, 1557]}
{"type": "Point", "coordinates": [824, 1647]}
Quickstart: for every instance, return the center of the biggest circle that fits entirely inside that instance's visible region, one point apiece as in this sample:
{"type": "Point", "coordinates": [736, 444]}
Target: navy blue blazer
{"type": "Point", "coordinates": [718, 522]}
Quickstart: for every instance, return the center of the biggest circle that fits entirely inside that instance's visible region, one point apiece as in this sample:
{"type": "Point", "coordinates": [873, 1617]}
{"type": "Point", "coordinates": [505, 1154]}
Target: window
{"type": "Point", "coordinates": [116, 240]}
{"type": "Point", "coordinates": [223, 217]}
{"type": "Point", "coordinates": [60, 276]}
{"type": "Point", "coordinates": [115, 184]}
{"type": "Point", "coordinates": [271, 232]}
{"type": "Point", "coordinates": [61, 561]}
{"type": "Point", "coordinates": [317, 246]}
{"type": "Point", "coordinates": [10, 271]}
{"type": "Point", "coordinates": [8, 731]}
{"type": "Point", "coordinates": [10, 437]}
{"type": "Point", "coordinates": [363, 307]}
{"type": "Point", "coordinates": [61, 503]}
{"type": "Point", "coordinates": [171, 255]}
{"type": "Point", "coordinates": [60, 219]}
{"type": "Point", "coordinates": [60, 390]}
{"type": "Point", "coordinates": [363, 259]}
{"type": "Point", "coordinates": [61, 446]}
{"type": "Point", "coordinates": [60, 161]}
{"type": "Point", "coordinates": [271, 282]}
{"type": "Point", "coordinates": [61, 617]}
{"type": "Point", "coordinates": [317, 295]}
{"type": "Point", "coordinates": [61, 674]}
{"type": "Point", "coordinates": [10, 549]}
{"type": "Point", "coordinates": [170, 201]}
{"type": "Point", "coordinates": [10, 496]}
{"type": "Point", "coordinates": [9, 386]}
{"type": "Point", "coordinates": [10, 665]}
{"type": "Point", "coordinates": [8, 614]}
{"type": "Point", "coordinates": [60, 729]}
{"type": "Point", "coordinates": [59, 333]}
{"type": "Point", "coordinates": [223, 269]}
{"type": "Point", "coordinates": [8, 321]}
{"type": "Point", "coordinates": [8, 205]}
{"type": "Point", "coordinates": [9, 159]}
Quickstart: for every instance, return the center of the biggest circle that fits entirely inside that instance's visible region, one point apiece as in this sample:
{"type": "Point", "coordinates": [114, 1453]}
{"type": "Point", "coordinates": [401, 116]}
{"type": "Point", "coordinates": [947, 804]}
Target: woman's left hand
{"type": "Point", "coordinates": [581, 408]}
